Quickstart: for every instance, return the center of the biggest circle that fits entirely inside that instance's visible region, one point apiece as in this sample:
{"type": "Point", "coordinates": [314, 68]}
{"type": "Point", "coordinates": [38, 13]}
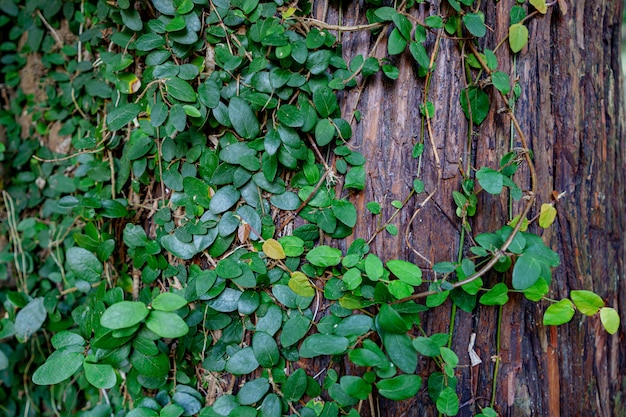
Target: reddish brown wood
{"type": "Point", "coordinates": [572, 112]}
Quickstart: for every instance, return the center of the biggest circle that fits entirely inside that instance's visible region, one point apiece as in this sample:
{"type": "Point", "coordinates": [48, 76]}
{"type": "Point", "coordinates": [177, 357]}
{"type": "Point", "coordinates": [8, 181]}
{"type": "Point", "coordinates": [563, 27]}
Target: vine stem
{"type": "Point", "coordinates": [530, 199]}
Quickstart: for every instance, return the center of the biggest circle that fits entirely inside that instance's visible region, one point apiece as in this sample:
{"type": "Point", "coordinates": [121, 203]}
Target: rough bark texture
{"type": "Point", "coordinates": [571, 110]}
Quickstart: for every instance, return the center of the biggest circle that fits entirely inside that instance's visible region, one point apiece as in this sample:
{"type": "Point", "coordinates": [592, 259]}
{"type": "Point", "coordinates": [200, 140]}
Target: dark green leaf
{"type": "Point", "coordinates": [474, 23]}
{"type": "Point", "coordinates": [294, 329]}
{"type": "Point", "coordinates": [122, 115]}
{"type": "Point", "coordinates": [253, 391]}
{"type": "Point", "coordinates": [475, 101]}
{"type": "Point", "coordinates": [399, 388]}
{"type": "Point", "coordinates": [265, 349]}
{"type": "Point", "coordinates": [396, 43]}
{"type": "Point", "coordinates": [180, 90]}
{"type": "Point", "coordinates": [242, 362]}
{"type": "Point", "coordinates": [30, 319]}
{"type": "Point", "coordinates": [59, 366]}
{"type": "Point", "coordinates": [323, 344]}
{"type": "Point", "coordinates": [224, 199]}
{"type": "Point", "coordinates": [100, 375]}
{"type": "Point", "coordinates": [325, 101]}
{"type": "Point", "coordinates": [243, 118]}
{"type": "Point", "coordinates": [401, 351]}
{"type": "Point", "coordinates": [526, 272]}
{"type": "Point", "coordinates": [295, 386]}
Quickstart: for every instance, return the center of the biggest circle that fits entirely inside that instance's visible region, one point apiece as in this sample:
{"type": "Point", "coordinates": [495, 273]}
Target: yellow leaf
{"type": "Point", "coordinates": [289, 12]}
{"type": "Point", "coordinates": [524, 226]}
{"type": "Point", "coordinates": [547, 215]}
{"type": "Point", "coordinates": [540, 5]}
{"type": "Point", "coordinates": [300, 284]}
{"type": "Point", "coordinates": [273, 249]}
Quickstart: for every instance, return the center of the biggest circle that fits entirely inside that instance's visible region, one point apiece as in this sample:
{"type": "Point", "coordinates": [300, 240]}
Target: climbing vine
{"type": "Point", "coordinates": [174, 183]}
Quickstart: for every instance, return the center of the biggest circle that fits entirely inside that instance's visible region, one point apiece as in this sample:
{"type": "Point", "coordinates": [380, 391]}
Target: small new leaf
{"type": "Point", "coordinates": [547, 215]}
{"type": "Point", "coordinates": [610, 319]}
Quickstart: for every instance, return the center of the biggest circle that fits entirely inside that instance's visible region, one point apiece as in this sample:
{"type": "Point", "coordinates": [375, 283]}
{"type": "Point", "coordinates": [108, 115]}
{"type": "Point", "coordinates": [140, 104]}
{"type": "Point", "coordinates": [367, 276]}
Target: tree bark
{"type": "Point", "coordinates": [571, 109]}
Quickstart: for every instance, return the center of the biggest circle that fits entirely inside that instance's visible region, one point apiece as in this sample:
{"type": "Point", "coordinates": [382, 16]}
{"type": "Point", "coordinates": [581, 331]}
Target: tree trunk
{"type": "Point", "coordinates": [571, 110]}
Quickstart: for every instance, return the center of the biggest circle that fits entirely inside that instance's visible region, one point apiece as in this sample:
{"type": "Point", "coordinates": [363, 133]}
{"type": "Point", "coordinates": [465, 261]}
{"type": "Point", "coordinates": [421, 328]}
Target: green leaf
{"type": "Point", "coordinates": [518, 37]}
{"type": "Point", "coordinates": [165, 6]}
{"type": "Point", "coordinates": [355, 178]}
{"type": "Point", "coordinates": [352, 278]}
{"type": "Point", "coordinates": [610, 319]}
{"type": "Point", "coordinates": [501, 81]}
{"type": "Point", "coordinates": [559, 313]}
{"type": "Point", "coordinates": [448, 402]}
{"type": "Point", "coordinates": [449, 356]}
{"type": "Point", "coordinates": [400, 289]}
{"type": "Point", "coordinates": [168, 301]}
{"type": "Point", "coordinates": [253, 391]}
{"type": "Point", "coordinates": [325, 101]}
{"type": "Point", "coordinates": [122, 115]}
{"type": "Point", "coordinates": [396, 43]}
{"type": "Point", "coordinates": [265, 349]}
{"type": "Point", "coordinates": [149, 41]}
{"type": "Point", "coordinates": [324, 132]}
{"type": "Point", "coordinates": [401, 351]}
{"type": "Point", "coordinates": [475, 24]}
{"type": "Point", "coordinates": [243, 119]}
{"type": "Point", "coordinates": [497, 296]}
{"type": "Point", "coordinates": [30, 319]}
{"type": "Point", "coordinates": [385, 13]}
{"type": "Point", "coordinates": [155, 366]}
{"type": "Point", "coordinates": [373, 267]}
{"type": "Point", "coordinates": [100, 375]}
{"type": "Point", "coordinates": [323, 344]}
{"type": "Point", "coordinates": [295, 386]}
{"type": "Point", "coordinates": [59, 366]}
{"type": "Point", "coordinates": [177, 248]}
{"type": "Point", "coordinates": [242, 362]}
{"type": "Point", "coordinates": [401, 387]}
{"type": "Point", "coordinates": [405, 271]}
{"type": "Point", "coordinates": [224, 199]}
{"type": "Point", "coordinates": [167, 324]}
{"type": "Point", "coordinates": [324, 256]}
{"type": "Point", "coordinates": [491, 180]}
{"type": "Point", "coordinates": [124, 314]}
{"type": "Point", "coordinates": [475, 101]}
{"type": "Point", "coordinates": [345, 212]}
{"type": "Point", "coordinates": [356, 386]}
{"type": "Point", "coordinates": [426, 346]}
{"type": "Point", "coordinates": [526, 271]}
{"type": "Point", "coordinates": [180, 90]}
{"type": "Point", "coordinates": [434, 21]}
{"type": "Point", "coordinates": [293, 246]}
{"type": "Point", "coordinates": [419, 54]}
{"type": "Point", "coordinates": [355, 325]}
{"type": "Point", "coordinates": [290, 116]}
{"type": "Point", "coordinates": [587, 302]}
